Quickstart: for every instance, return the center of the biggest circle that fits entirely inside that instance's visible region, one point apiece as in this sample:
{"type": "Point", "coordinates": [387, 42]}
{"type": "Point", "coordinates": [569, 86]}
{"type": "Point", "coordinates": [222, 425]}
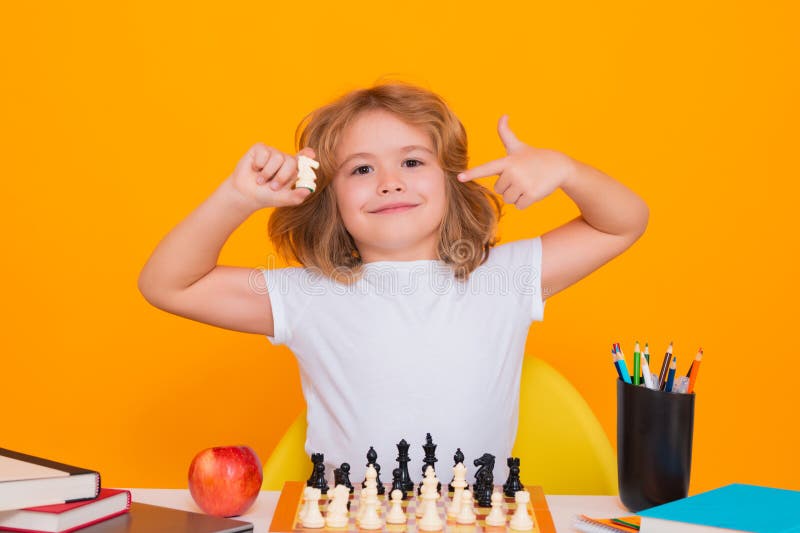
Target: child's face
{"type": "Point", "coordinates": [377, 170]}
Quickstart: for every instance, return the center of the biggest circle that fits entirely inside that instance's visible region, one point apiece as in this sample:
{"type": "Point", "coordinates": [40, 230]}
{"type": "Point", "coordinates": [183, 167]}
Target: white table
{"type": "Point", "coordinates": [562, 508]}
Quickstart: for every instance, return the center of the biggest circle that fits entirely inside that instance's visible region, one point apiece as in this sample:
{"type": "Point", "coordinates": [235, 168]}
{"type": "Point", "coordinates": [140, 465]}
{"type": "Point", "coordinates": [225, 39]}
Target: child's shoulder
{"type": "Point", "coordinates": [519, 252]}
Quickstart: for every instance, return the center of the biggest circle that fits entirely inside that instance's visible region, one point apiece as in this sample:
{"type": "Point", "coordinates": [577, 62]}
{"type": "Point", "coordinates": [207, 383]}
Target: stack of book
{"type": "Point", "coordinates": [38, 495]}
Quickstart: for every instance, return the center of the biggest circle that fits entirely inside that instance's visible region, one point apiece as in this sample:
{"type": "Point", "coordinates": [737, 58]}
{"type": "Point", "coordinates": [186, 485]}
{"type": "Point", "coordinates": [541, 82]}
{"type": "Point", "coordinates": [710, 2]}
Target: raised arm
{"type": "Point", "coordinates": [182, 275]}
{"type": "Point", "coordinates": [612, 216]}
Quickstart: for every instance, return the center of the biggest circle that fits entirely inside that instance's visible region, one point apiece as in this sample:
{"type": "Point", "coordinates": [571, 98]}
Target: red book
{"type": "Point", "coordinates": [65, 517]}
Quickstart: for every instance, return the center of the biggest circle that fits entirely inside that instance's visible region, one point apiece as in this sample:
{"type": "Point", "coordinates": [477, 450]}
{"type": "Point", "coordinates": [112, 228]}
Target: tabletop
{"type": "Point", "coordinates": [563, 508]}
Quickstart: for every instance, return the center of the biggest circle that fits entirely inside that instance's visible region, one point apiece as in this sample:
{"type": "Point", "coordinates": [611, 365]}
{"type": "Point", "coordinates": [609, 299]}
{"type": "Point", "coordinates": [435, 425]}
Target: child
{"type": "Point", "coordinates": [405, 318]}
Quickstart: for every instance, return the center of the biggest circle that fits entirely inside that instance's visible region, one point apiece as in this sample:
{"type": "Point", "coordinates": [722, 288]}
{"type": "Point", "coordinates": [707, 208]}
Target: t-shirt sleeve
{"type": "Point", "coordinates": [522, 259]}
{"type": "Point", "coordinates": [289, 291]}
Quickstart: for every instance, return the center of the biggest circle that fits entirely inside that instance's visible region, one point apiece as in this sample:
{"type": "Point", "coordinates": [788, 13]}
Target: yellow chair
{"type": "Point", "coordinates": [561, 444]}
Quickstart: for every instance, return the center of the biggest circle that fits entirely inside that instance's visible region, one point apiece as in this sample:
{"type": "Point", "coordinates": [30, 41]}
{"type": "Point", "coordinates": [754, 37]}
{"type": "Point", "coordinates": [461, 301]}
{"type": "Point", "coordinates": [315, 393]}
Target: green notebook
{"type": "Point", "coordinates": [736, 507]}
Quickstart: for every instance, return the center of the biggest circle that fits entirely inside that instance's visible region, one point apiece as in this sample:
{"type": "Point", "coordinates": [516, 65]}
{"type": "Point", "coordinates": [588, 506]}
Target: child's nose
{"type": "Point", "coordinates": [391, 185]}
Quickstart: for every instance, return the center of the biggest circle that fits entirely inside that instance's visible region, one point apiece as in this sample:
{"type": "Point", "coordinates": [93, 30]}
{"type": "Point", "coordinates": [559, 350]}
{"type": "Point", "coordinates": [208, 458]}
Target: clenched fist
{"type": "Point", "coordinates": [265, 177]}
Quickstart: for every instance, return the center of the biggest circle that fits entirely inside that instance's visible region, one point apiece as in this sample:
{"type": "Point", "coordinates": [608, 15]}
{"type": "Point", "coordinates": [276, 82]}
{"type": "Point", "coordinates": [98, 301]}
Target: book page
{"type": "Point", "coordinates": [14, 469]}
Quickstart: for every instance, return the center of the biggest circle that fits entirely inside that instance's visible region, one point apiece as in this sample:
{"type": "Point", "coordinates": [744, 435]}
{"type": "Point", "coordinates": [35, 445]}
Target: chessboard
{"type": "Point", "coordinates": [285, 519]}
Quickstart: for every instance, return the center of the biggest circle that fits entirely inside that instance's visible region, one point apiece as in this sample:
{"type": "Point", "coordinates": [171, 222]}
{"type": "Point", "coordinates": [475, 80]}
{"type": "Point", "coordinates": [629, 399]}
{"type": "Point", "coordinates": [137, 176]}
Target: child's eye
{"type": "Point", "coordinates": [356, 170]}
{"type": "Point", "coordinates": [415, 161]}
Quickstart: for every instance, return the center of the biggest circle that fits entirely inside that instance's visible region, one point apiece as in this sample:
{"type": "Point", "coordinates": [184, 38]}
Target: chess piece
{"type": "Point", "coordinates": [459, 484]}
{"type": "Point", "coordinates": [305, 173]}
{"type": "Point", "coordinates": [513, 483]}
{"type": "Point", "coordinates": [336, 515]}
{"type": "Point", "coordinates": [379, 484]}
{"type": "Point", "coordinates": [343, 473]}
{"type": "Point", "coordinates": [313, 517]}
{"type": "Point", "coordinates": [403, 459]}
{"type": "Point", "coordinates": [317, 479]}
{"type": "Point", "coordinates": [496, 517]}
{"type": "Point", "coordinates": [521, 521]}
{"type": "Point", "coordinates": [484, 479]}
{"type": "Point", "coordinates": [430, 458]}
{"type": "Point", "coordinates": [372, 458]}
{"type": "Point", "coordinates": [396, 515]}
{"type": "Point", "coordinates": [397, 482]}
{"type": "Point", "coordinates": [430, 521]}
{"type": "Point", "coordinates": [369, 518]}
{"type": "Point", "coordinates": [466, 515]}
{"type": "Point", "coordinates": [306, 502]}
{"type": "Point", "coordinates": [457, 458]}
{"type": "Point", "coordinates": [428, 485]}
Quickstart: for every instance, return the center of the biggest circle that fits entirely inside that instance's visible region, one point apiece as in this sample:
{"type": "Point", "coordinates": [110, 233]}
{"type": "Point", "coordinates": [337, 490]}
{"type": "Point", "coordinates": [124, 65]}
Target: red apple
{"type": "Point", "coordinates": [225, 480]}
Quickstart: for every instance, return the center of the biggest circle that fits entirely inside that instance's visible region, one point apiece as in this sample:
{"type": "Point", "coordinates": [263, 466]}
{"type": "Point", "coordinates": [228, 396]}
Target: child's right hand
{"type": "Point", "coordinates": [265, 176]}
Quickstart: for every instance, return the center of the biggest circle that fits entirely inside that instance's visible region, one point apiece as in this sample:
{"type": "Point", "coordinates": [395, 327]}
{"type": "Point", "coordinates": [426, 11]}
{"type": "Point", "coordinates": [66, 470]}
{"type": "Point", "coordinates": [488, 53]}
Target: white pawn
{"type": "Point", "coordinates": [521, 521]}
{"type": "Point", "coordinates": [496, 517]}
{"type": "Point", "coordinates": [430, 521]}
{"type": "Point", "coordinates": [459, 484]}
{"type": "Point", "coordinates": [467, 513]}
{"type": "Point", "coordinates": [396, 515]}
{"type": "Point", "coordinates": [336, 515]}
{"type": "Point", "coordinates": [313, 517]}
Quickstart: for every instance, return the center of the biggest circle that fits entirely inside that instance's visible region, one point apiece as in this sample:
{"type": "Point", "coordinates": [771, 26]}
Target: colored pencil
{"type": "Point", "coordinates": [671, 375]}
{"type": "Point", "coordinates": [662, 376]}
{"type": "Point", "coordinates": [637, 364]}
{"type": "Point", "coordinates": [695, 369]}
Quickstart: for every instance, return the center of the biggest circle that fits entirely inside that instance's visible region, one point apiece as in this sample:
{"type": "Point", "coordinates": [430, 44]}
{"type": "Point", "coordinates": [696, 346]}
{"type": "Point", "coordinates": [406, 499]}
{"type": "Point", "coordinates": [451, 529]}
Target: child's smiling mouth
{"type": "Point", "coordinates": [393, 208]}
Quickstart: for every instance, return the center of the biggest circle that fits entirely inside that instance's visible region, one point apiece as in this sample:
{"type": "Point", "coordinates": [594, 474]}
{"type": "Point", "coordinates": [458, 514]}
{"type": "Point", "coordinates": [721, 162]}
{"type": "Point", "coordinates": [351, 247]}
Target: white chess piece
{"type": "Point", "coordinates": [466, 515]}
{"type": "Point", "coordinates": [306, 501]}
{"type": "Point", "coordinates": [430, 521]}
{"type": "Point", "coordinates": [429, 483]}
{"type": "Point", "coordinates": [305, 175]}
{"type": "Point", "coordinates": [396, 515]}
{"type": "Point", "coordinates": [459, 484]}
{"type": "Point", "coordinates": [313, 517]}
{"type": "Point", "coordinates": [369, 516]}
{"type": "Point", "coordinates": [336, 515]}
{"type": "Point", "coordinates": [496, 517]}
{"type": "Point", "coordinates": [521, 521]}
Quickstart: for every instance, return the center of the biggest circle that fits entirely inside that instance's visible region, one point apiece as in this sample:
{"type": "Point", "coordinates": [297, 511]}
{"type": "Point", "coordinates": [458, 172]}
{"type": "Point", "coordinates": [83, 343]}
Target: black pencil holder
{"type": "Point", "coordinates": [654, 445]}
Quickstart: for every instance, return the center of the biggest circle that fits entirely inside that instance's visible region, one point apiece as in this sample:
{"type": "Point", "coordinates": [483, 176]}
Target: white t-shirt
{"type": "Point", "coordinates": [410, 350]}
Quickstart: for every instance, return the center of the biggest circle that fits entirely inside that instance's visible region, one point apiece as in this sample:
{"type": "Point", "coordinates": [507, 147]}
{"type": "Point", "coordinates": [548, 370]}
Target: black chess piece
{"type": "Point", "coordinates": [381, 488]}
{"type": "Point", "coordinates": [483, 495]}
{"type": "Point", "coordinates": [485, 464]}
{"type": "Point", "coordinates": [513, 483]}
{"type": "Point", "coordinates": [342, 476]}
{"type": "Point", "coordinates": [403, 460]}
{"type": "Point", "coordinates": [457, 458]}
{"type": "Point", "coordinates": [372, 458]}
{"type": "Point", "coordinates": [317, 479]}
{"type": "Point", "coordinates": [429, 460]}
{"type": "Point", "coordinates": [397, 482]}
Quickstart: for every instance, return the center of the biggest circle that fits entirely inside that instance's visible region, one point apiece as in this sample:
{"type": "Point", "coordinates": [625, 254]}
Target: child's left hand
{"type": "Point", "coordinates": [527, 174]}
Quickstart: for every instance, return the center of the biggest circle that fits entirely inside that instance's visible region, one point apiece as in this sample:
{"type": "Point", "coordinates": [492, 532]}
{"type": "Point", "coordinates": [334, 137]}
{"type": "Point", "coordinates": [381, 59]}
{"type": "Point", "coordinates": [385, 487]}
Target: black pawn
{"type": "Point", "coordinates": [381, 488]}
{"type": "Point", "coordinates": [457, 458]}
{"type": "Point", "coordinates": [513, 483]}
{"type": "Point", "coordinates": [317, 479]}
{"type": "Point", "coordinates": [397, 482]}
{"type": "Point", "coordinates": [403, 459]}
{"type": "Point", "coordinates": [342, 476]}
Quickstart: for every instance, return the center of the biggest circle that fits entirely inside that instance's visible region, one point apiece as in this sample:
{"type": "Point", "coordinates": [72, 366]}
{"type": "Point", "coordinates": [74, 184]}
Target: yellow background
{"type": "Point", "coordinates": [118, 120]}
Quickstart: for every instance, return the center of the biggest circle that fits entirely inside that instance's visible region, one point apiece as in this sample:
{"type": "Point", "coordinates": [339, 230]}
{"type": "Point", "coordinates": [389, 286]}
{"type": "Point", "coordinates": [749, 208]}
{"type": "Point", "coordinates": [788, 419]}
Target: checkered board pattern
{"type": "Point", "coordinates": [285, 519]}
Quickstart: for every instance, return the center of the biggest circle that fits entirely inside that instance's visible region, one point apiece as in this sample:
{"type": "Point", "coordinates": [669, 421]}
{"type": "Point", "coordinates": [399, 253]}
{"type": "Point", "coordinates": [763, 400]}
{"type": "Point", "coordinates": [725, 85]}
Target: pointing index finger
{"type": "Point", "coordinates": [491, 168]}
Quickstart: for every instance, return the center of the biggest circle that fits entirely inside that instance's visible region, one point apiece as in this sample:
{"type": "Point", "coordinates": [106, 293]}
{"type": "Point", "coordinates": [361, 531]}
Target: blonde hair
{"type": "Point", "coordinates": [313, 232]}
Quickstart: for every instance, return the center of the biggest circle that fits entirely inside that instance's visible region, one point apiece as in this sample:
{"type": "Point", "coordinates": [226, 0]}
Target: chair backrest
{"type": "Point", "coordinates": [560, 442]}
